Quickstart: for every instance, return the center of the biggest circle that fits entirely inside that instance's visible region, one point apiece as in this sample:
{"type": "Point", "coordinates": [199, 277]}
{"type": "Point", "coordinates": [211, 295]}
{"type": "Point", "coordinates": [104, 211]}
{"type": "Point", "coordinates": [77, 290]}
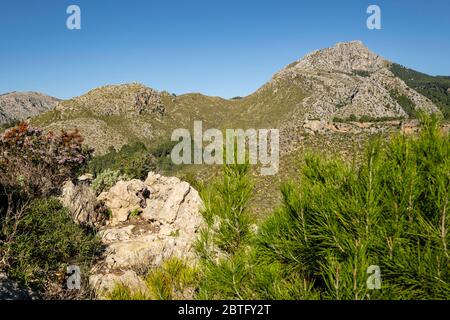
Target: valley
{"type": "Point", "coordinates": [331, 101]}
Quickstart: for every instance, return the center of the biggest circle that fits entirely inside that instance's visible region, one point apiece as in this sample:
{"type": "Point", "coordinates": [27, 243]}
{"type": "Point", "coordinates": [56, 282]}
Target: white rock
{"type": "Point", "coordinates": [167, 227]}
{"type": "Point", "coordinates": [103, 284]}
{"type": "Point", "coordinates": [123, 198]}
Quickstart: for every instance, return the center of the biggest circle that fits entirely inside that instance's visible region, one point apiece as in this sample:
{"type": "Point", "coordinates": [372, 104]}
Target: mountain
{"type": "Point", "coordinates": [436, 88]}
{"type": "Point", "coordinates": [22, 105]}
{"type": "Point", "coordinates": [345, 82]}
{"type": "Point", "coordinates": [349, 79]}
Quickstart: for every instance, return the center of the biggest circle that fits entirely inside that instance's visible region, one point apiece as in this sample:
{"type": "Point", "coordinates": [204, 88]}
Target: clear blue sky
{"type": "Point", "coordinates": [222, 48]}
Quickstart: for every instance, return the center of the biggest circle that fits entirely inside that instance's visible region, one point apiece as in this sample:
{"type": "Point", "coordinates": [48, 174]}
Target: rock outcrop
{"type": "Point", "coordinates": [125, 198]}
{"type": "Point", "coordinates": [22, 105]}
{"type": "Point", "coordinates": [117, 100]}
{"type": "Point", "coordinates": [151, 222]}
{"type": "Point", "coordinates": [83, 205]}
{"type": "Point", "coordinates": [349, 79]}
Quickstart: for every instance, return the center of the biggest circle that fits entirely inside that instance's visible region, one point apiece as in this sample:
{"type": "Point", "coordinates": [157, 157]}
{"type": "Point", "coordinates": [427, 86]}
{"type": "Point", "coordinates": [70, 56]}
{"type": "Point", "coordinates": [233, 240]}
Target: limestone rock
{"type": "Point", "coordinates": [167, 227]}
{"type": "Point", "coordinates": [124, 198]}
{"type": "Point", "coordinates": [105, 283]}
{"type": "Point", "coordinates": [346, 80]}
{"type": "Point", "coordinates": [21, 105]}
{"type": "Point", "coordinates": [83, 205]}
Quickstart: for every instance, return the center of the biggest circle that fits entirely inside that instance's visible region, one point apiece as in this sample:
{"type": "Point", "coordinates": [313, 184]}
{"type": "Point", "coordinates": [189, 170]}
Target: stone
{"type": "Point", "coordinates": [103, 284]}
{"type": "Point", "coordinates": [123, 198]}
{"type": "Point", "coordinates": [167, 227]}
{"type": "Point", "coordinates": [87, 177]}
{"type": "Point", "coordinates": [348, 79]}
{"type": "Point", "coordinates": [22, 105]}
{"type": "Point", "coordinates": [83, 205]}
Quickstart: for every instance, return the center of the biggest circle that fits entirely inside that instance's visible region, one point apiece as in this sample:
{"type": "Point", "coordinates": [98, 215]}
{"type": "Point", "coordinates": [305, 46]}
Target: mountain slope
{"type": "Point", "coordinates": [349, 79]}
{"type": "Point", "coordinates": [22, 105]}
{"type": "Point", "coordinates": [437, 89]}
{"type": "Point", "coordinates": [345, 81]}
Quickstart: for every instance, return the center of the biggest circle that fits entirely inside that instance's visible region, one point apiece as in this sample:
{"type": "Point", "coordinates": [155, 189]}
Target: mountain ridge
{"type": "Point", "coordinates": [346, 81]}
{"type": "Point", "coordinates": [16, 106]}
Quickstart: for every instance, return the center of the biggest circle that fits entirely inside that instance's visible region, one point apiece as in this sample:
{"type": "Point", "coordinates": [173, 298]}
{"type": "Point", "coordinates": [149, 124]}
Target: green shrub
{"type": "Point", "coordinates": [337, 220]}
{"type": "Point", "coordinates": [105, 180]}
{"type": "Point", "coordinates": [362, 73]}
{"type": "Point", "coordinates": [407, 104]}
{"type": "Point", "coordinates": [163, 158]}
{"type": "Point", "coordinates": [46, 241]}
{"type": "Point", "coordinates": [195, 182]}
{"type": "Point", "coordinates": [135, 160]}
{"type": "Point", "coordinates": [389, 212]}
{"type": "Point", "coordinates": [173, 280]}
{"type": "Point", "coordinates": [437, 89]}
{"type": "Point", "coordinates": [338, 119]}
{"type": "Point", "coordinates": [226, 210]}
{"type": "Point", "coordinates": [8, 125]}
{"type": "Point", "coordinates": [124, 293]}
{"type": "Point", "coordinates": [243, 277]}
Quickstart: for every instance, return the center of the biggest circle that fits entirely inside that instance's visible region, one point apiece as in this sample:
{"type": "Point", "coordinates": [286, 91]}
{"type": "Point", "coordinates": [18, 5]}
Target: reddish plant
{"type": "Point", "coordinates": [38, 163]}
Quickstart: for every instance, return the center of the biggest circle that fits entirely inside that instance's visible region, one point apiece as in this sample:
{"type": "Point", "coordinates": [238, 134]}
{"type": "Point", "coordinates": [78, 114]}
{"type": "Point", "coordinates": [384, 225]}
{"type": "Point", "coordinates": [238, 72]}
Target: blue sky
{"type": "Point", "coordinates": [220, 48]}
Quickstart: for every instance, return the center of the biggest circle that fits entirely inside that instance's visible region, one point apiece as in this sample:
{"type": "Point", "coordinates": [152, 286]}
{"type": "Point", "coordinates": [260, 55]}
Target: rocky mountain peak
{"type": "Point", "coordinates": [119, 99]}
{"type": "Point", "coordinates": [347, 57]}
{"type": "Point", "coordinates": [344, 82]}
{"type": "Point", "coordinates": [21, 105]}
{"type": "Point", "coordinates": [349, 81]}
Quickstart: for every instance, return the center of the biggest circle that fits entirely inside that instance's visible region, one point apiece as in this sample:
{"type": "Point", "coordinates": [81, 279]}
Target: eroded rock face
{"type": "Point", "coordinates": [82, 203]}
{"type": "Point", "coordinates": [167, 227]}
{"type": "Point", "coordinates": [149, 99]}
{"type": "Point", "coordinates": [124, 198]}
{"type": "Point", "coordinates": [21, 105]}
{"type": "Point", "coordinates": [349, 79]}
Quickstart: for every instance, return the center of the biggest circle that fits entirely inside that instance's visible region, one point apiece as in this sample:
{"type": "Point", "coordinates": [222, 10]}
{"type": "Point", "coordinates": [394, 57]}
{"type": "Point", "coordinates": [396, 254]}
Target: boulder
{"type": "Point", "coordinates": [83, 205]}
{"type": "Point", "coordinates": [86, 178]}
{"type": "Point", "coordinates": [124, 198]}
{"type": "Point", "coordinates": [105, 283]}
{"type": "Point", "coordinates": [167, 227]}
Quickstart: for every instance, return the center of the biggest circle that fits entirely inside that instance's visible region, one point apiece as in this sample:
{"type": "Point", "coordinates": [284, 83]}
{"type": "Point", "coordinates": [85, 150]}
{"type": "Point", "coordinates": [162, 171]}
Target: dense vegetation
{"type": "Point", "coordinates": [336, 221]}
{"type": "Point", "coordinates": [336, 224]}
{"type": "Point", "coordinates": [134, 160]}
{"type": "Point", "coordinates": [437, 89]}
{"type": "Point", "coordinates": [45, 241]}
{"type": "Point", "coordinates": [353, 118]}
{"type": "Point", "coordinates": [174, 279]}
{"type": "Point", "coordinates": [38, 237]}
{"type": "Point", "coordinates": [406, 103]}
